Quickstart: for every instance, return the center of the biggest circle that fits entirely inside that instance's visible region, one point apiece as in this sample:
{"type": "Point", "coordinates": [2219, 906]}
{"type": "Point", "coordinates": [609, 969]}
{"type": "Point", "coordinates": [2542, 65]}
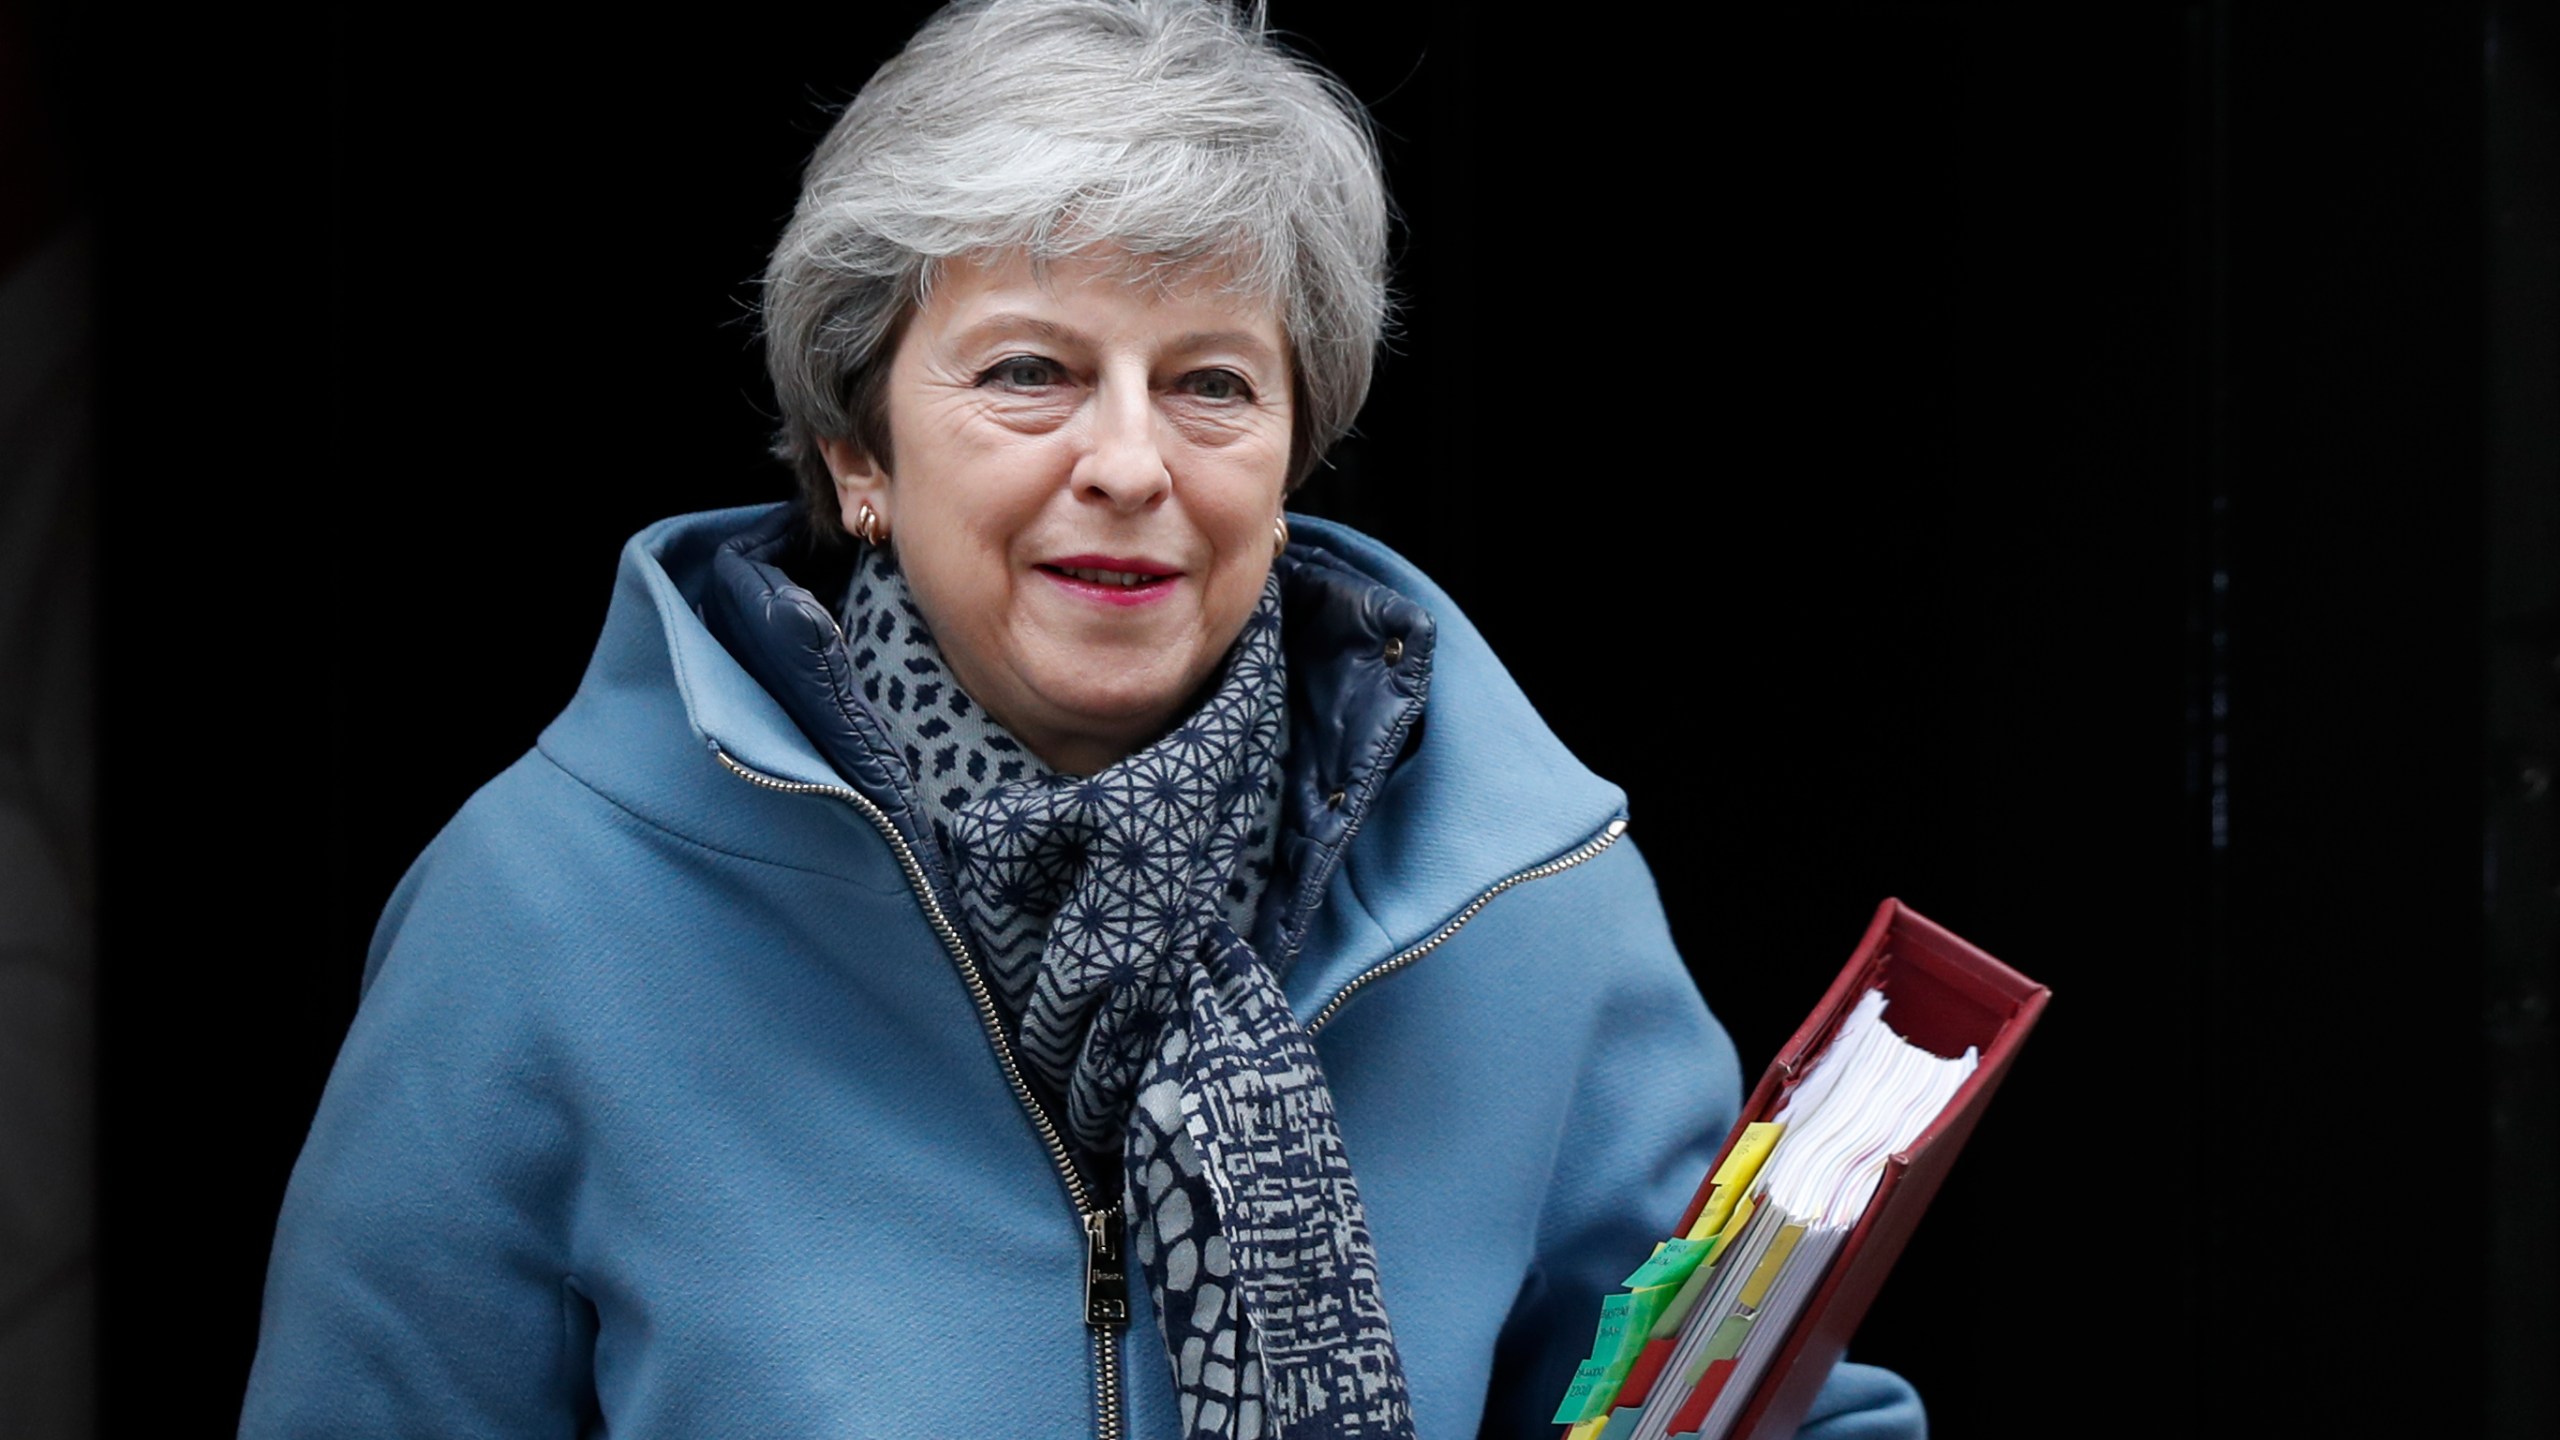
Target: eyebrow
{"type": "Point", "coordinates": [1008, 322]}
{"type": "Point", "coordinates": [1252, 346]}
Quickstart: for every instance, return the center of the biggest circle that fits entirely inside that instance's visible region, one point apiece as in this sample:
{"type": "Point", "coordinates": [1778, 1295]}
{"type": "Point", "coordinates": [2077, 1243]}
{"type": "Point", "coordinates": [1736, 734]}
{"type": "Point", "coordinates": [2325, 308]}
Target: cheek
{"type": "Point", "coordinates": [996, 485]}
{"type": "Point", "coordinates": [956, 576]}
{"type": "Point", "coordinates": [957, 547]}
{"type": "Point", "coordinates": [1247, 505]}
{"type": "Point", "coordinates": [1243, 532]}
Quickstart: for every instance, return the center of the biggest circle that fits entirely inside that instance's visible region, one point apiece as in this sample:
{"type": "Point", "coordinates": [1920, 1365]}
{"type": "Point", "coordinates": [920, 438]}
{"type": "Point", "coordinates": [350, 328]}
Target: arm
{"type": "Point", "coordinates": [1658, 1089]}
{"type": "Point", "coordinates": [418, 1285]}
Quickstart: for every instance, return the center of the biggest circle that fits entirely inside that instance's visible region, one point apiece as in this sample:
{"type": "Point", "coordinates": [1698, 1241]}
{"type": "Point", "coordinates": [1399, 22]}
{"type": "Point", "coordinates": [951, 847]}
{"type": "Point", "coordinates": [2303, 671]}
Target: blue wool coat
{"type": "Point", "coordinates": [670, 1110]}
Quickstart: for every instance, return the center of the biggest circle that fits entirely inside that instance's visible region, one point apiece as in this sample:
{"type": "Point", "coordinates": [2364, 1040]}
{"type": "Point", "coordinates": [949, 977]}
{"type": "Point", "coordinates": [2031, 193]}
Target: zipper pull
{"type": "Point", "coordinates": [1106, 1273]}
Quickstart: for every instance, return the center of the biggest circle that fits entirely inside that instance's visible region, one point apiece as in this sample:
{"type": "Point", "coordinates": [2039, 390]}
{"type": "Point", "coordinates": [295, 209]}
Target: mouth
{"type": "Point", "coordinates": [1121, 579]}
{"type": "Point", "coordinates": [1113, 578]}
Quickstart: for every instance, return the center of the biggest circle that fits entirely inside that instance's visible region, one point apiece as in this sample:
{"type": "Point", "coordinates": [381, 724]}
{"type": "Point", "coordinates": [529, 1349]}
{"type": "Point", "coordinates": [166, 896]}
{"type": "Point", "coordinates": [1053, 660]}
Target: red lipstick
{"type": "Point", "coordinates": [1111, 579]}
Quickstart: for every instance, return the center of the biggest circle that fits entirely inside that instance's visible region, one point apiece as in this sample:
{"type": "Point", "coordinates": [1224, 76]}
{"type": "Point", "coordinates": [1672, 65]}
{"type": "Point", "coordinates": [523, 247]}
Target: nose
{"type": "Point", "coordinates": [1123, 462]}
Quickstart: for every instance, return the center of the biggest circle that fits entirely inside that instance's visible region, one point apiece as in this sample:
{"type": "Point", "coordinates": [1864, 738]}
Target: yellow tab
{"type": "Point", "coordinates": [1734, 1176]}
{"type": "Point", "coordinates": [1733, 1228]}
{"type": "Point", "coordinates": [1588, 1429]}
{"type": "Point", "coordinates": [1765, 1274]}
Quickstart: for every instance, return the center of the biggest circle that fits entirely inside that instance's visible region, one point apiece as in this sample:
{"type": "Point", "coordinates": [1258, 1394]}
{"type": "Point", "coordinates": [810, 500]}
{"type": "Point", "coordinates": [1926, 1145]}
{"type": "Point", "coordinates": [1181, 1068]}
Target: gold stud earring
{"type": "Point", "coordinates": [1279, 535]}
{"type": "Point", "coordinates": [870, 524]}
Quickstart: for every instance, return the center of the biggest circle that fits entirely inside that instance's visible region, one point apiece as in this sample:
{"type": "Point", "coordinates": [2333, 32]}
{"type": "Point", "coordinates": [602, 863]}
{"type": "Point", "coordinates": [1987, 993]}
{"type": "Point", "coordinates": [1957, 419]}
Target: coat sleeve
{"type": "Point", "coordinates": [1658, 1088]}
{"type": "Point", "coordinates": [417, 1286]}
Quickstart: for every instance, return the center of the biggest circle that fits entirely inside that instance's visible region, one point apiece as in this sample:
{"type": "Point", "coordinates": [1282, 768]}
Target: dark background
{"type": "Point", "coordinates": [2087, 470]}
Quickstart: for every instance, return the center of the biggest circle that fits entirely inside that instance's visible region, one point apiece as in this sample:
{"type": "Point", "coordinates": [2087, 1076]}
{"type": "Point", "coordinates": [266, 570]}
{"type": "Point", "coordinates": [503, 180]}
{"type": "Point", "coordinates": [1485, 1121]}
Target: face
{"type": "Point", "coordinates": [1084, 475]}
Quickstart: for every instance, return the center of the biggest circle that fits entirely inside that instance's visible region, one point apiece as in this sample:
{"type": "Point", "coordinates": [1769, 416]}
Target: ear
{"type": "Point", "coordinates": [858, 479]}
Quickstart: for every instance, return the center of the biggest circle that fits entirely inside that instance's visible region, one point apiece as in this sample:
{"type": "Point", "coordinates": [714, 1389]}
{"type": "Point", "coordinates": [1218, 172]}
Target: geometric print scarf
{"type": "Point", "coordinates": [1112, 912]}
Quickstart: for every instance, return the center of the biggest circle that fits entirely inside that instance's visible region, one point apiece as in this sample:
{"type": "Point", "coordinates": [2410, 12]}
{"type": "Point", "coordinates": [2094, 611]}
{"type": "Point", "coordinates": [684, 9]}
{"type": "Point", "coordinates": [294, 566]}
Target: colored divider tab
{"type": "Point", "coordinates": [1639, 1386]}
{"type": "Point", "coordinates": [1610, 1350]}
{"type": "Point", "coordinates": [1734, 1176]}
{"type": "Point", "coordinates": [1614, 1312]}
{"type": "Point", "coordinates": [1627, 1319]}
{"type": "Point", "coordinates": [1693, 1412]}
{"type": "Point", "coordinates": [1588, 1429]}
{"type": "Point", "coordinates": [1644, 1311]}
{"type": "Point", "coordinates": [1635, 1319]}
{"type": "Point", "coordinates": [1672, 1263]}
{"type": "Point", "coordinates": [1725, 1344]}
{"type": "Point", "coordinates": [1744, 1204]}
{"type": "Point", "coordinates": [1765, 1274]}
{"type": "Point", "coordinates": [1676, 1314]}
{"type": "Point", "coordinates": [1578, 1394]}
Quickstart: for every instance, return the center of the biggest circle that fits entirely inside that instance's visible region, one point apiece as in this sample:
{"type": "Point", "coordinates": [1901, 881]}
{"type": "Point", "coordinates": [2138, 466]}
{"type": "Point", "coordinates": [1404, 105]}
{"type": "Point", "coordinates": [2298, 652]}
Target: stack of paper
{"type": "Point", "coordinates": [1682, 1347]}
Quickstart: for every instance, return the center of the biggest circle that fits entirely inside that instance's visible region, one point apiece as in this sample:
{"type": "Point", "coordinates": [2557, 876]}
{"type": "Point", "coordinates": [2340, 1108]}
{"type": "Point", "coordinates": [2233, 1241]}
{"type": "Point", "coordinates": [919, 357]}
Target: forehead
{"type": "Point", "coordinates": [1101, 295]}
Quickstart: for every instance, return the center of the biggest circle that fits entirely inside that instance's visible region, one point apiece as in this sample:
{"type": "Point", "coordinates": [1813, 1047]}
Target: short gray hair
{"type": "Point", "coordinates": [1176, 130]}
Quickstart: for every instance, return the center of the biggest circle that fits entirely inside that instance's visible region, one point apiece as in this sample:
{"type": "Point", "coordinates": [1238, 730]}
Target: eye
{"type": "Point", "coordinates": [1219, 385]}
{"type": "Point", "coordinates": [1024, 372]}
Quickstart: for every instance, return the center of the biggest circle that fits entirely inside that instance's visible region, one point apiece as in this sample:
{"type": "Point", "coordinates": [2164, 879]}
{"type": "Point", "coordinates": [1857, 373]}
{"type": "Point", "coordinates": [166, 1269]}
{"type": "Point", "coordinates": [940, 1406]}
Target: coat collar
{"type": "Point", "coordinates": [1449, 782]}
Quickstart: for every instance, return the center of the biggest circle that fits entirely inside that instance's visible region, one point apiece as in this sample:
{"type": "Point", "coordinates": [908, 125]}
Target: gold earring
{"type": "Point", "coordinates": [870, 524]}
{"type": "Point", "coordinates": [1279, 535]}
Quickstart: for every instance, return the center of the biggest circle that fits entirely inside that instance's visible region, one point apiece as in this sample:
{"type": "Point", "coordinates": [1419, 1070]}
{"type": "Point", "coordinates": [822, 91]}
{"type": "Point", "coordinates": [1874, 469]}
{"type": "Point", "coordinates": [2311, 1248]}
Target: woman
{"type": "Point", "coordinates": [1020, 894]}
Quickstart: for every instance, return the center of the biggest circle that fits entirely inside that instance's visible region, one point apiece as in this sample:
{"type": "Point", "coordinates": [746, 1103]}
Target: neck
{"type": "Point", "coordinates": [1070, 754]}
{"type": "Point", "coordinates": [1081, 750]}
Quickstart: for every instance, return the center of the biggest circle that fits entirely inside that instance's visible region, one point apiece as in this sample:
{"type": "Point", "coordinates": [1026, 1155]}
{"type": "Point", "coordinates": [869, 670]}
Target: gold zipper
{"type": "Point", "coordinates": [1393, 963]}
{"type": "Point", "coordinates": [1106, 1312]}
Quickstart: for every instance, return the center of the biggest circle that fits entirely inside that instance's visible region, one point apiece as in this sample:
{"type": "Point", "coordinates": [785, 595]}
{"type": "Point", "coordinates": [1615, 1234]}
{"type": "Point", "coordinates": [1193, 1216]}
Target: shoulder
{"type": "Point", "coordinates": [1484, 759]}
{"type": "Point", "coordinates": [642, 796]}
{"type": "Point", "coordinates": [1573, 958]}
{"type": "Point", "coordinates": [545, 888]}
{"type": "Point", "coordinates": [1486, 806]}
{"type": "Point", "coordinates": [520, 878]}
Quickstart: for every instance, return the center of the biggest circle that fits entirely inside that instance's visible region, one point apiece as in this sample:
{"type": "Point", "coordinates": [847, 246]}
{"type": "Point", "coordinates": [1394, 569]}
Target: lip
{"type": "Point", "coordinates": [1159, 582]}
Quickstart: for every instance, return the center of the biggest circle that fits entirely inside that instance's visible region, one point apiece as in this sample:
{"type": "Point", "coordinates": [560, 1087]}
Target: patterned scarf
{"type": "Point", "coordinates": [1112, 913]}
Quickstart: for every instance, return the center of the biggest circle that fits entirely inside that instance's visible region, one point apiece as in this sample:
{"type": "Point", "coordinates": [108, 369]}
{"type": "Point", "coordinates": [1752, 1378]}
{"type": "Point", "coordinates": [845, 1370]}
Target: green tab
{"type": "Point", "coordinates": [1578, 1394]}
{"type": "Point", "coordinates": [1614, 1349]}
{"type": "Point", "coordinates": [1626, 1322]}
{"type": "Point", "coordinates": [1672, 1263]}
{"type": "Point", "coordinates": [1613, 1328]}
{"type": "Point", "coordinates": [1644, 1307]}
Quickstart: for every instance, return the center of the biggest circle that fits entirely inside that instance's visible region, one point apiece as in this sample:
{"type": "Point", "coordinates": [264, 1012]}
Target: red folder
{"type": "Point", "coordinates": [1942, 995]}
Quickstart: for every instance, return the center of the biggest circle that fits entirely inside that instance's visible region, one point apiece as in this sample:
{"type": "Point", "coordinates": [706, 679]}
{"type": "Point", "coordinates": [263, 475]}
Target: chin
{"type": "Point", "coordinates": [1120, 709]}
{"type": "Point", "coordinates": [1106, 699]}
